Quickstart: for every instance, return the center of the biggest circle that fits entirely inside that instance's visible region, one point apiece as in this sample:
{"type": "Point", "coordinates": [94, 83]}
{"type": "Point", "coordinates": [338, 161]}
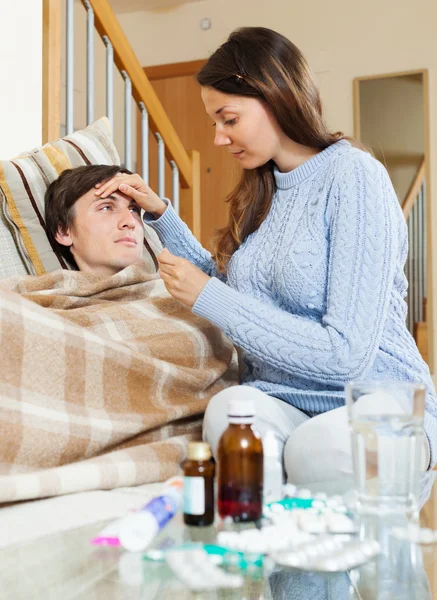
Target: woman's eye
{"type": "Point", "coordinates": [231, 122]}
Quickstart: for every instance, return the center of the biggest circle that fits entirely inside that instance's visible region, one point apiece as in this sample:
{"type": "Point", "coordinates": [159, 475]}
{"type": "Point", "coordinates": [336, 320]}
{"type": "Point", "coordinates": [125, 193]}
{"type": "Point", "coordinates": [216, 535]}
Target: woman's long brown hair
{"type": "Point", "coordinates": [263, 64]}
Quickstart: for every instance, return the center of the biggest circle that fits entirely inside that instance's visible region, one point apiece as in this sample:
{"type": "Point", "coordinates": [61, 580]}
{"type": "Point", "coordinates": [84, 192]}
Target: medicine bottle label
{"type": "Point", "coordinates": [194, 495]}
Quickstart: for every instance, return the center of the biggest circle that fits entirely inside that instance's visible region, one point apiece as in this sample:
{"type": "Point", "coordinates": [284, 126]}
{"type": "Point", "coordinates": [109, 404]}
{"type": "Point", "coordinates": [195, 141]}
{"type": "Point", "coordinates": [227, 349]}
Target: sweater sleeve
{"type": "Point", "coordinates": [363, 214]}
{"type": "Point", "coordinates": [176, 236]}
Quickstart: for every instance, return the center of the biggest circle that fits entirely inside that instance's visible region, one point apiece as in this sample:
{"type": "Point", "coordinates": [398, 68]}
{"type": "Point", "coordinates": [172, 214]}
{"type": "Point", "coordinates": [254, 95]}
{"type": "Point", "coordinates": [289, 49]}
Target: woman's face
{"type": "Point", "coordinates": [244, 126]}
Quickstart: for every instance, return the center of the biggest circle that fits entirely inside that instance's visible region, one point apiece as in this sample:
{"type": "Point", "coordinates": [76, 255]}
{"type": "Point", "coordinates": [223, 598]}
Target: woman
{"type": "Point", "coordinates": [307, 277]}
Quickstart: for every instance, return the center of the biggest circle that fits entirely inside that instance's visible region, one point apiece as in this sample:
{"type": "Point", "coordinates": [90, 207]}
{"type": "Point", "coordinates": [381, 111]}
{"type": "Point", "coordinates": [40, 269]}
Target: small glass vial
{"type": "Point", "coordinates": [272, 468]}
{"type": "Point", "coordinates": [199, 470]}
{"type": "Point", "coordinates": [240, 465]}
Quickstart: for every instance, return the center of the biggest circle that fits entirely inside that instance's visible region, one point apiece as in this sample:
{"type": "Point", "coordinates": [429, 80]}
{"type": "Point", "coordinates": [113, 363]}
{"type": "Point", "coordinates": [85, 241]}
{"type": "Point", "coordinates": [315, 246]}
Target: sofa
{"type": "Point", "coordinates": [24, 250]}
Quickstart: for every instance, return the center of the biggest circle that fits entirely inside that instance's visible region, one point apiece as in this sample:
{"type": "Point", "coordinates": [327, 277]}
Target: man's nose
{"type": "Point", "coordinates": [221, 139]}
{"type": "Point", "coordinates": [127, 220]}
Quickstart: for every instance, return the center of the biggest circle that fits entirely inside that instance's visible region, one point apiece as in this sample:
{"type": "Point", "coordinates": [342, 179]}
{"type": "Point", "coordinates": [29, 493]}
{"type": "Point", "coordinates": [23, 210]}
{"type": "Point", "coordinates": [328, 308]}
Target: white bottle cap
{"type": "Point", "coordinates": [241, 410]}
{"type": "Point", "coordinates": [137, 530]}
{"type": "Point", "coordinates": [270, 444]}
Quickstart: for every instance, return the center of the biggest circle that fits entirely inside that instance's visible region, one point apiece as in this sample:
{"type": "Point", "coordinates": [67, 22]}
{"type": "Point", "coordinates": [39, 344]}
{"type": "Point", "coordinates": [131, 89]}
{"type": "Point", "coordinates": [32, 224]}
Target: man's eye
{"type": "Point", "coordinates": [105, 206]}
{"type": "Point", "coordinates": [136, 209]}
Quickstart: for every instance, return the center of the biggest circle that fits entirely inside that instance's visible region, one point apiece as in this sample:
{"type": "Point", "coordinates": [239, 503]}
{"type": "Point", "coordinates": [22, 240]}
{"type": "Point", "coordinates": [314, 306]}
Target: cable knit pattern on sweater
{"type": "Point", "coordinates": [315, 297]}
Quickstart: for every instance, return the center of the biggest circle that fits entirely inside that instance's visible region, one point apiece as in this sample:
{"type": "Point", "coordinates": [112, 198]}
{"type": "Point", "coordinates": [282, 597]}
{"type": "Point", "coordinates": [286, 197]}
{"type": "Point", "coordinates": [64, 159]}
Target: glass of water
{"type": "Point", "coordinates": [388, 444]}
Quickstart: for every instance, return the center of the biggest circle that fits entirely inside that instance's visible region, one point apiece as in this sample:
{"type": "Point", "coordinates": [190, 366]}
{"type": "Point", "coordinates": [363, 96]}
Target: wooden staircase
{"type": "Point", "coordinates": [185, 163]}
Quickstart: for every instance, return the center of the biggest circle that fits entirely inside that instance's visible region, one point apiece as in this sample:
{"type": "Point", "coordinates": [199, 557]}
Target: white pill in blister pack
{"type": "Point", "coordinates": [315, 557]}
{"type": "Point", "coordinates": [315, 521]}
{"type": "Point", "coordinates": [338, 523]}
{"type": "Point", "coordinates": [320, 496]}
{"type": "Point", "coordinates": [289, 490]}
{"type": "Point", "coordinates": [312, 523]}
{"type": "Point", "coordinates": [262, 541]}
{"type": "Point", "coordinates": [303, 493]}
{"type": "Point", "coordinates": [197, 572]}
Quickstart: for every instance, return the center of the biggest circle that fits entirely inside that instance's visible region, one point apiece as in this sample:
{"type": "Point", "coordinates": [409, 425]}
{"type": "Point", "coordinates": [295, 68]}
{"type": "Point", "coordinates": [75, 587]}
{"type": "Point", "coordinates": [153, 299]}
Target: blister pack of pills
{"type": "Point", "coordinates": [328, 554]}
{"type": "Point", "coordinates": [197, 572]}
{"type": "Point", "coordinates": [316, 522]}
{"type": "Point", "coordinates": [263, 541]}
{"type": "Point", "coordinates": [318, 515]}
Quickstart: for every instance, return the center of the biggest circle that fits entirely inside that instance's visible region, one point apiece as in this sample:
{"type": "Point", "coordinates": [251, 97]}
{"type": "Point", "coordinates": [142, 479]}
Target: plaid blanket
{"type": "Point", "coordinates": [103, 381]}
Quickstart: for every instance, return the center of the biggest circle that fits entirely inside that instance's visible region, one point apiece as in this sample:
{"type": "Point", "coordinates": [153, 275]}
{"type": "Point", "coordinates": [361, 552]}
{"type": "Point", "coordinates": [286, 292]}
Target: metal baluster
{"type": "Point", "coordinates": [161, 166]}
{"type": "Point", "coordinates": [175, 186]}
{"type": "Point", "coordinates": [407, 275]}
{"type": "Point", "coordinates": [420, 252]}
{"type": "Point", "coordinates": [109, 81]}
{"type": "Point", "coordinates": [425, 238]}
{"type": "Point", "coordinates": [144, 142]}
{"type": "Point", "coordinates": [410, 274]}
{"type": "Point", "coordinates": [69, 108]}
{"type": "Point", "coordinates": [89, 63]}
{"type": "Point", "coordinates": [127, 120]}
{"type": "Point", "coordinates": [416, 262]}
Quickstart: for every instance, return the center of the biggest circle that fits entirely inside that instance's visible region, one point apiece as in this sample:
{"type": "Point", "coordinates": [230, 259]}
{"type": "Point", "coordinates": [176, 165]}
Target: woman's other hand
{"type": "Point", "coordinates": [183, 280]}
{"type": "Point", "coordinates": [136, 188]}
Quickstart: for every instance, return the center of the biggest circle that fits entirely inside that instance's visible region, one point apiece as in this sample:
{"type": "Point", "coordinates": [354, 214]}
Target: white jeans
{"type": "Point", "coordinates": [316, 450]}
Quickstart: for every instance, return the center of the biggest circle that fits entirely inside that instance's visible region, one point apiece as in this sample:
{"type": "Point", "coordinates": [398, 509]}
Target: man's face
{"type": "Point", "coordinates": [107, 234]}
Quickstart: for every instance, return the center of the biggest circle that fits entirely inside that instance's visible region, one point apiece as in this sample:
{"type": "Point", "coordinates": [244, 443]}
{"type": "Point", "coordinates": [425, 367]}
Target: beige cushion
{"type": "Point", "coordinates": [23, 183]}
{"type": "Point", "coordinates": [11, 262]}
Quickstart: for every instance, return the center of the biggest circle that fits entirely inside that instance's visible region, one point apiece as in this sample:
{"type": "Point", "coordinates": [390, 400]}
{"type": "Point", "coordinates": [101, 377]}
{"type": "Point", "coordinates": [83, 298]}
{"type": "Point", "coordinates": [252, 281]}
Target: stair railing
{"type": "Point", "coordinates": [185, 192]}
{"type": "Point", "coordinates": [414, 209]}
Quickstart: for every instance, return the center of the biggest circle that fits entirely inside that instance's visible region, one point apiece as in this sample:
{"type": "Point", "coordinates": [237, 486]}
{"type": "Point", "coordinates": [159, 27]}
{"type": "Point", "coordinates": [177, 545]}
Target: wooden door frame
{"type": "Point", "coordinates": [356, 96]}
{"type": "Point", "coordinates": [166, 71]}
{"type": "Point", "coordinates": [427, 144]}
{"type": "Point", "coordinates": [174, 69]}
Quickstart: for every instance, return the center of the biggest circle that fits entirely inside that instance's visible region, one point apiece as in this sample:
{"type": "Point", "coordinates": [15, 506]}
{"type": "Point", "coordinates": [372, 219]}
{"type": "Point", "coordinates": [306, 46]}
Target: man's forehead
{"type": "Point", "coordinates": [115, 196]}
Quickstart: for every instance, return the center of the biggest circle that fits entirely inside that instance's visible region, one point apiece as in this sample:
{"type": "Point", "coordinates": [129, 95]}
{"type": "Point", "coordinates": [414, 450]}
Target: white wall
{"type": "Point", "coordinates": [20, 76]}
{"type": "Point", "coordinates": [392, 125]}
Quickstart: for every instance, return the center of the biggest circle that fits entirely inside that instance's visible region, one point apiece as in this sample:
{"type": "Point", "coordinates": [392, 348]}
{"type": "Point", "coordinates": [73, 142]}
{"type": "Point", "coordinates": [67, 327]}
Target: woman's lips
{"type": "Point", "coordinates": [238, 154]}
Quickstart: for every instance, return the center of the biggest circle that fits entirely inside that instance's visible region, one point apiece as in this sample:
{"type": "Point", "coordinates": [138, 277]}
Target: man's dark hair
{"type": "Point", "coordinates": [63, 193]}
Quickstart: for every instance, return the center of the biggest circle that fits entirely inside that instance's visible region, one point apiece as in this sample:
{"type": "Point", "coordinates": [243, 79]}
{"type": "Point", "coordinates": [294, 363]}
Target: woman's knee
{"type": "Point", "coordinates": [319, 451]}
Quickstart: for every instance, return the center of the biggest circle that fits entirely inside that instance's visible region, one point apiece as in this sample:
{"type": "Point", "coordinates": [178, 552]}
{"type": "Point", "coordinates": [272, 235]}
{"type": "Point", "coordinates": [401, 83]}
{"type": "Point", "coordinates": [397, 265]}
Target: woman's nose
{"type": "Point", "coordinates": [221, 139]}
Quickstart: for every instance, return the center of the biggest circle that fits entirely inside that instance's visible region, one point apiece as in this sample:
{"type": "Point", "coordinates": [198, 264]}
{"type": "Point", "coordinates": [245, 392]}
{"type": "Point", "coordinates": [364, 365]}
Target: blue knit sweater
{"type": "Point", "coordinates": [315, 297]}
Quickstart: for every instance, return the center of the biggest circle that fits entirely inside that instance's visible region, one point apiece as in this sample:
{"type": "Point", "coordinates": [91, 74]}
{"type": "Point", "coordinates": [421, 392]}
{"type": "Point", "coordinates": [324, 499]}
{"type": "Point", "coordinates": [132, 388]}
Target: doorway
{"type": "Point", "coordinates": [391, 119]}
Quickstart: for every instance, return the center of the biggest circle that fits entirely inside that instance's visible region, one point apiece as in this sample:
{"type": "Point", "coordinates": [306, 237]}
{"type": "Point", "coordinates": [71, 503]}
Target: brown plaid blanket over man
{"type": "Point", "coordinates": [103, 381]}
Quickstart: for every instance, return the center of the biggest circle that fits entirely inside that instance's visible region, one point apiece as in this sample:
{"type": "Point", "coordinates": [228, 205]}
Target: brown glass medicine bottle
{"type": "Point", "coordinates": [240, 465]}
{"type": "Point", "coordinates": [199, 470]}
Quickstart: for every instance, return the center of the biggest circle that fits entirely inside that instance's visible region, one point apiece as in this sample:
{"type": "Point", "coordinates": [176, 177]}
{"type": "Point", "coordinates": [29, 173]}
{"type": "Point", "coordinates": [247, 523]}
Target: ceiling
{"type": "Point", "coordinates": [123, 6]}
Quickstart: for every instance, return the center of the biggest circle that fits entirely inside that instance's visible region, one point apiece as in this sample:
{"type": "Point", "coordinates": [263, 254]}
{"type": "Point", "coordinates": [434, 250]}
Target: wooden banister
{"type": "Point", "coordinates": [51, 76]}
{"type": "Point", "coordinates": [411, 197]}
{"type": "Point", "coordinates": [106, 24]}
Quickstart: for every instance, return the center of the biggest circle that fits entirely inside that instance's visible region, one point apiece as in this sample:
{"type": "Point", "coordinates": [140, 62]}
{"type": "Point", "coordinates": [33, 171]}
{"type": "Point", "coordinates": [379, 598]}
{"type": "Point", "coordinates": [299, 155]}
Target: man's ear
{"type": "Point", "coordinates": [63, 237]}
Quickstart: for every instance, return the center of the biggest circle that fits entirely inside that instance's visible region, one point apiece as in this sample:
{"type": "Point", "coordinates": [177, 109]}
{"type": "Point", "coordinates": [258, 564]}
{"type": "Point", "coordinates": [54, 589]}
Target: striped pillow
{"type": "Point", "coordinates": [23, 183]}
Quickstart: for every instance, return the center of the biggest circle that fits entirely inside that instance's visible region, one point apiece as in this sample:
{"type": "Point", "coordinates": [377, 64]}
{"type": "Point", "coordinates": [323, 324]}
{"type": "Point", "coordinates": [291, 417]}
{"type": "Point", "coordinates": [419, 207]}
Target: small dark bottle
{"type": "Point", "coordinates": [199, 470]}
{"type": "Point", "coordinates": [240, 465]}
